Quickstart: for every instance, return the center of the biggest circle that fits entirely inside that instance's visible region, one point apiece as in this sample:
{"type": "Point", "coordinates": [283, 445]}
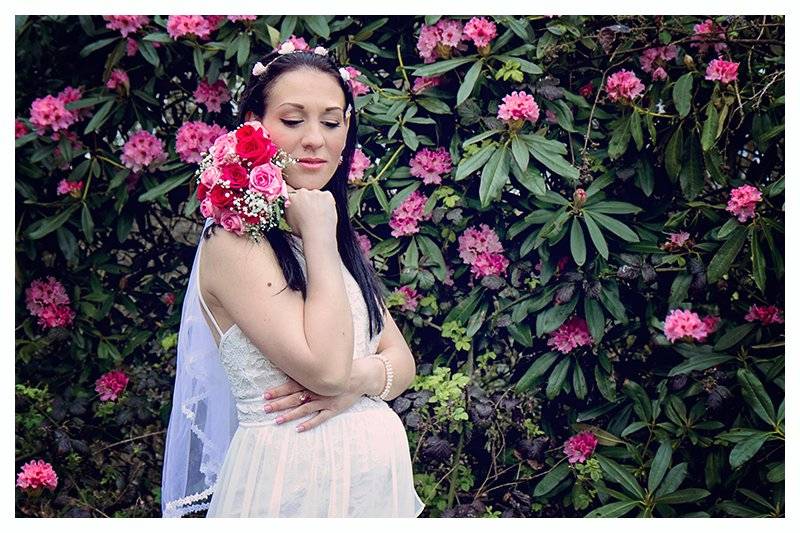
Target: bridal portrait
{"type": "Point", "coordinates": [406, 266]}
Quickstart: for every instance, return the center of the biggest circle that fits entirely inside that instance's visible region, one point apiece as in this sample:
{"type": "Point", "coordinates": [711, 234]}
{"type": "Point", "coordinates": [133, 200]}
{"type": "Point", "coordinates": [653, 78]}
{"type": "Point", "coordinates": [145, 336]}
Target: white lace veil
{"type": "Point", "coordinates": [203, 417]}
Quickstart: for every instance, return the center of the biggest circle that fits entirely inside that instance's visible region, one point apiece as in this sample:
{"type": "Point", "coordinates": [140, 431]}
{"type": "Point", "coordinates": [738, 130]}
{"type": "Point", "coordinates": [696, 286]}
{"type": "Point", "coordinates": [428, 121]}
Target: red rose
{"type": "Point", "coordinates": [202, 190]}
{"type": "Point", "coordinates": [246, 132]}
{"type": "Point", "coordinates": [266, 156]}
{"type": "Point", "coordinates": [252, 148]}
{"type": "Point", "coordinates": [221, 198]}
{"type": "Point", "coordinates": [237, 175]}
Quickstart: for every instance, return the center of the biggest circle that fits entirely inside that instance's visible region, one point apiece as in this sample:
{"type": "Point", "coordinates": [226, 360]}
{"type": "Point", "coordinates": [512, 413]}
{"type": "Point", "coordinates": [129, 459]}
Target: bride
{"type": "Point", "coordinates": [286, 352]}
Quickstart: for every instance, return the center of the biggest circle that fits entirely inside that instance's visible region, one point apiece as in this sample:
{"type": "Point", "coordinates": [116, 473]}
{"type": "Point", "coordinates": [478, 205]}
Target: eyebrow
{"type": "Point", "coordinates": [299, 106]}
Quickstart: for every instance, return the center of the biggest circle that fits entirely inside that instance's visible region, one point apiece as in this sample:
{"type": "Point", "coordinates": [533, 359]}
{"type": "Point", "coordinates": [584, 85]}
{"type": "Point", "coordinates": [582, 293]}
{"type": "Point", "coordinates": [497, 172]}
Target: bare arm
{"type": "Point", "coordinates": [311, 341]}
{"type": "Point", "coordinates": [369, 377]}
{"type": "Point", "coordinates": [328, 320]}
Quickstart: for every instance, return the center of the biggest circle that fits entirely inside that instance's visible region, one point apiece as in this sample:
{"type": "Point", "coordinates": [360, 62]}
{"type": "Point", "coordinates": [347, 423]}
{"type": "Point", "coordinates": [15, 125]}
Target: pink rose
{"type": "Point", "coordinates": [207, 208]}
{"type": "Point", "coordinates": [267, 179]}
{"type": "Point", "coordinates": [209, 176]}
{"type": "Point", "coordinates": [224, 147]}
{"type": "Point", "coordinates": [231, 222]}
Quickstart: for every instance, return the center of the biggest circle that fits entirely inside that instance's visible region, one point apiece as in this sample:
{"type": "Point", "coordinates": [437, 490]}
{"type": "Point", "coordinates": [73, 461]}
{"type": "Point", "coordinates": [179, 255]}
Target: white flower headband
{"type": "Point", "coordinates": [288, 47]}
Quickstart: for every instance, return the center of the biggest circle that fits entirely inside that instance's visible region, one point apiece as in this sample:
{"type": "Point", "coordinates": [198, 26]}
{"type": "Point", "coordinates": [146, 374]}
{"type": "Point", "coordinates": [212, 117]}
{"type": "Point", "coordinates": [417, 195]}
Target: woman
{"type": "Point", "coordinates": [303, 319]}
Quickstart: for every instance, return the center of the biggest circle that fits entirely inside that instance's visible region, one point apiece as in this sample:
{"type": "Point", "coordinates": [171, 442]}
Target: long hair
{"type": "Point", "coordinates": [254, 99]}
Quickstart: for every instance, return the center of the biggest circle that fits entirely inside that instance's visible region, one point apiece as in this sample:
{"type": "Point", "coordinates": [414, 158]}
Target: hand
{"type": "Point", "coordinates": [310, 208]}
{"type": "Point", "coordinates": [289, 396]}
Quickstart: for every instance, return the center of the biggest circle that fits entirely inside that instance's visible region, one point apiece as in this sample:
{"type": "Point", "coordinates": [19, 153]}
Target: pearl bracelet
{"type": "Point", "coordinates": [389, 376]}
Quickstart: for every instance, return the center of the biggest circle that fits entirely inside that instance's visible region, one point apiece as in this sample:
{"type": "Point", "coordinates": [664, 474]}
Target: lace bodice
{"type": "Point", "coordinates": [250, 372]}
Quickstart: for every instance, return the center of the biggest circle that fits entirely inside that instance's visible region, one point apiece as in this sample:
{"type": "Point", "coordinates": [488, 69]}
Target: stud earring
{"type": "Point", "coordinates": [341, 158]}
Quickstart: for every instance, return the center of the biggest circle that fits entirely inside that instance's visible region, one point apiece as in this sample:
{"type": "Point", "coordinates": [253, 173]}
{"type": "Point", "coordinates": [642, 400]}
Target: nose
{"type": "Point", "coordinates": [312, 138]}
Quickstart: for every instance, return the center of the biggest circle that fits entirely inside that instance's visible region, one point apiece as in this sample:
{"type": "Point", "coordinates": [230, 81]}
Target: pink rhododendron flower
{"type": "Point", "coordinates": [711, 323]}
{"type": "Point", "coordinates": [237, 18]}
{"type": "Point", "coordinates": [357, 167]}
{"type": "Point", "coordinates": [406, 217]}
{"type": "Point", "coordinates": [571, 334]}
{"type": "Point", "coordinates": [168, 298]}
{"type": "Point", "coordinates": [430, 165]}
{"type": "Point", "coordinates": [212, 95]}
{"type": "Point", "coordinates": [623, 85]}
{"type": "Point", "coordinates": [111, 384]}
{"type": "Point", "coordinates": [586, 90]}
{"type": "Point", "coordinates": [654, 59]}
{"type": "Point", "coordinates": [580, 447]}
{"type": "Point", "coordinates": [50, 112]}
{"type": "Point", "coordinates": [426, 43]}
{"type": "Point", "coordinates": [37, 474]}
{"type": "Point", "coordinates": [480, 30]}
{"type": "Point", "coordinates": [131, 47]}
{"type": "Point", "coordinates": [677, 241]}
{"type": "Point", "coordinates": [126, 24]}
{"type": "Point", "coordinates": [722, 71]}
{"type": "Point", "coordinates": [358, 88]}
{"type": "Point", "coordinates": [118, 78]}
{"type": "Point", "coordinates": [685, 325]}
{"type": "Point", "coordinates": [143, 149]}
{"type": "Point", "coordinates": [708, 31]}
{"type": "Point", "coordinates": [476, 240]}
{"type": "Point", "coordinates": [766, 314]}
{"type": "Point", "coordinates": [742, 202]}
{"type": "Point", "coordinates": [425, 82]}
{"type": "Point", "coordinates": [518, 106]}
{"type": "Point", "coordinates": [489, 264]}
{"type": "Point", "coordinates": [183, 25]}
{"type": "Point", "coordinates": [550, 117]}
{"type": "Point", "coordinates": [480, 247]}
{"type": "Point", "coordinates": [20, 129]}
{"type": "Point", "coordinates": [299, 43]}
{"type": "Point", "coordinates": [70, 187]}
{"type": "Point", "coordinates": [364, 243]}
{"type": "Point", "coordinates": [48, 301]}
{"type": "Point", "coordinates": [194, 138]}
{"type": "Point", "coordinates": [411, 298]}
{"type": "Point", "coordinates": [439, 40]}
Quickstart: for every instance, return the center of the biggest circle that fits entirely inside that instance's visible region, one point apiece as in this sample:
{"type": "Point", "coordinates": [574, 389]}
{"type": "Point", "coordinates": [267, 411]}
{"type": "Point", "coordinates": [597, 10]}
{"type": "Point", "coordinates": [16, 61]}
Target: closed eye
{"type": "Point", "coordinates": [293, 123]}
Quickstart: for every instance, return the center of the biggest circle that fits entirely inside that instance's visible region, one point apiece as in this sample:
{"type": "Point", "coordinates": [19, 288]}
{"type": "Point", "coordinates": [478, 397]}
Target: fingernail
{"type": "Point", "coordinates": [267, 408]}
{"type": "Point", "coordinates": [299, 428]}
{"type": "Point", "coordinates": [267, 396]}
{"type": "Point", "coordinates": [279, 420]}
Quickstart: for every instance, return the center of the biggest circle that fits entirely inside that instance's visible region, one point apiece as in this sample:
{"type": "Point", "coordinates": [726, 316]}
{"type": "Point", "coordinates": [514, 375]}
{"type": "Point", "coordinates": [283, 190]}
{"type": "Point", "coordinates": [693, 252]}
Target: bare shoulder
{"type": "Point", "coordinates": [230, 258]}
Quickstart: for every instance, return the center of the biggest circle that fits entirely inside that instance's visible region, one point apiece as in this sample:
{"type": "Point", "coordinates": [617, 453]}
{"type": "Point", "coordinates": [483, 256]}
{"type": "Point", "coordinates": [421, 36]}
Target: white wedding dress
{"type": "Point", "coordinates": [356, 464]}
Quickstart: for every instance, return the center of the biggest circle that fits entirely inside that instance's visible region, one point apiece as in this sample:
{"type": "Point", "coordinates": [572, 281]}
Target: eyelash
{"type": "Point", "coordinates": [293, 123]}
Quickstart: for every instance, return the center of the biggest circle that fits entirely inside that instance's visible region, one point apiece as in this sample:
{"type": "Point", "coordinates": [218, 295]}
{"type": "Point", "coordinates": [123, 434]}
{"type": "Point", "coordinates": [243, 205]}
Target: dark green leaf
{"type": "Point", "coordinates": [465, 90]}
{"type": "Point", "coordinates": [613, 510]}
{"type": "Point", "coordinates": [674, 153]}
{"type": "Point", "coordinates": [596, 235]}
{"type": "Point", "coordinates": [440, 67]}
{"type": "Point", "coordinates": [318, 24]}
{"type": "Point", "coordinates": [494, 176]}
{"type": "Point", "coordinates": [756, 396]}
{"type": "Point", "coordinates": [709, 127]}
{"type": "Point", "coordinates": [684, 496]}
{"type": "Point", "coordinates": [614, 226]}
{"type": "Point", "coordinates": [557, 378]}
{"type": "Point", "coordinates": [536, 370]}
{"type": "Point", "coordinates": [746, 449]}
{"type": "Point", "coordinates": [551, 479]}
{"type": "Point", "coordinates": [659, 465]}
{"type": "Point", "coordinates": [618, 473]}
{"type": "Point", "coordinates": [163, 188]}
{"type": "Point", "coordinates": [99, 117]}
{"type": "Point", "coordinates": [520, 151]}
{"type": "Point", "coordinates": [700, 362]}
{"type": "Point", "coordinates": [682, 94]}
{"type": "Point", "coordinates": [759, 266]}
{"type": "Point", "coordinates": [722, 260]}
{"type": "Point", "coordinates": [577, 243]}
{"type": "Point", "coordinates": [579, 382]}
{"type": "Point", "coordinates": [692, 175]}
{"type": "Point", "coordinates": [42, 227]}
{"type": "Point", "coordinates": [733, 336]}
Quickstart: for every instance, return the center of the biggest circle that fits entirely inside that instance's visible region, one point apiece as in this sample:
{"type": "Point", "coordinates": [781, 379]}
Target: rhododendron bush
{"type": "Point", "coordinates": [579, 222]}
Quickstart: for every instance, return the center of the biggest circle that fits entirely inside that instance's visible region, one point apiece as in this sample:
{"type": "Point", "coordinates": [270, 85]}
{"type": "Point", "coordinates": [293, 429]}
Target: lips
{"type": "Point", "coordinates": [312, 160]}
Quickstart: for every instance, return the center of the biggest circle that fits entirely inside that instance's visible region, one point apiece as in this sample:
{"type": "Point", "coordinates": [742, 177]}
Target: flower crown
{"type": "Point", "coordinates": [288, 47]}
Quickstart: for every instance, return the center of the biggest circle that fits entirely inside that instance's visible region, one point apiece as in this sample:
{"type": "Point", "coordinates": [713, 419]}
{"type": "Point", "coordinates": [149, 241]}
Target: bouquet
{"type": "Point", "coordinates": [240, 182]}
